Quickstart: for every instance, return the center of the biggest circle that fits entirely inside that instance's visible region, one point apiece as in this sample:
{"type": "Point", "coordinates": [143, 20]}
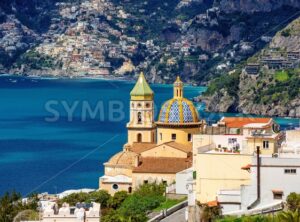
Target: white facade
{"type": "Point", "coordinates": [278, 175]}
{"type": "Point", "coordinates": [278, 178]}
{"type": "Point", "coordinates": [183, 178]}
{"type": "Point", "coordinates": [67, 214]}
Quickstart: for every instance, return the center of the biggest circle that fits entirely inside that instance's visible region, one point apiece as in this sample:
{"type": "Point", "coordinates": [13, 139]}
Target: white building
{"type": "Point", "coordinates": [278, 176]}
{"type": "Point", "coordinates": [81, 213]}
{"type": "Point", "coordinates": [184, 178]}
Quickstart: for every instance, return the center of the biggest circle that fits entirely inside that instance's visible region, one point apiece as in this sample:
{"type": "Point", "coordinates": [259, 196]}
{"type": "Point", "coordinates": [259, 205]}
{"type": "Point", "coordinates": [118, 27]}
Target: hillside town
{"type": "Point", "coordinates": [239, 165]}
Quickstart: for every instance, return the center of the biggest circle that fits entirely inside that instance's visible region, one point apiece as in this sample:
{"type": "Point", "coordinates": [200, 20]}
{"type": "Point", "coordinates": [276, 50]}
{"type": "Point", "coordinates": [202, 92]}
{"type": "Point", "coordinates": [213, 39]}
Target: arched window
{"type": "Point", "coordinates": [139, 138]}
{"type": "Point", "coordinates": [129, 189]}
{"type": "Point", "coordinates": [139, 117]}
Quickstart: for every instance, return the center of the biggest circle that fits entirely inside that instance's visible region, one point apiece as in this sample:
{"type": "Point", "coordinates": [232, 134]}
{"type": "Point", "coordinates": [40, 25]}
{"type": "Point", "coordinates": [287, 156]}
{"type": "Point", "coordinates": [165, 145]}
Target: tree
{"type": "Point", "coordinates": [210, 213]}
{"type": "Point", "coordinates": [11, 204]}
{"type": "Point", "coordinates": [118, 198]}
{"type": "Point", "coordinates": [100, 196]}
{"type": "Point", "coordinates": [293, 201]}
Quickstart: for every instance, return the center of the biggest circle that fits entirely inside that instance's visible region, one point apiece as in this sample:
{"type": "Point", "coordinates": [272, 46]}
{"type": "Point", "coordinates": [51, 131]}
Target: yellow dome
{"type": "Point", "coordinates": [124, 158]}
{"type": "Point", "coordinates": [178, 110]}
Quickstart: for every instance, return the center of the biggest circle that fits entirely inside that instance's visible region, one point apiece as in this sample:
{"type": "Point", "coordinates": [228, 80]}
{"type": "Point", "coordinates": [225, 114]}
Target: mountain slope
{"type": "Point", "coordinates": [272, 91]}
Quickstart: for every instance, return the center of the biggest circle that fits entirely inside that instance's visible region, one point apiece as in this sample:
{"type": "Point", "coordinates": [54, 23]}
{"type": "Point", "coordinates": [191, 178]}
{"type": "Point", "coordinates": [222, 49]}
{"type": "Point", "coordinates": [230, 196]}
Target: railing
{"type": "Point", "coordinates": [261, 210]}
{"type": "Point", "coordinates": [167, 212]}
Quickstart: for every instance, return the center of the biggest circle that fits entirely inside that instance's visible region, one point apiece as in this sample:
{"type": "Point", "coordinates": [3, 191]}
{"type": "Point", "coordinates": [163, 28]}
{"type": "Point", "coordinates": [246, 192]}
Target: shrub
{"type": "Point", "coordinates": [118, 198]}
{"type": "Point", "coordinates": [293, 201]}
{"type": "Point", "coordinates": [100, 196]}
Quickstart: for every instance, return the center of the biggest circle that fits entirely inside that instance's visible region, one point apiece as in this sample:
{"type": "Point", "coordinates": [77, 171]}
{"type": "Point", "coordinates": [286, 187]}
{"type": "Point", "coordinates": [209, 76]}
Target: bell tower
{"type": "Point", "coordinates": [141, 126]}
{"type": "Point", "coordinates": [178, 88]}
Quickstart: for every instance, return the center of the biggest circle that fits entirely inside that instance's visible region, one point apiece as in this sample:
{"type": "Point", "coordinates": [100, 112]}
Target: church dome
{"type": "Point", "coordinates": [124, 158]}
{"type": "Point", "coordinates": [178, 110]}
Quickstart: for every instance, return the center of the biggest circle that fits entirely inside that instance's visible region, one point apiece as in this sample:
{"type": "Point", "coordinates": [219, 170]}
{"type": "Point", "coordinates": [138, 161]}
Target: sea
{"type": "Point", "coordinates": [55, 134]}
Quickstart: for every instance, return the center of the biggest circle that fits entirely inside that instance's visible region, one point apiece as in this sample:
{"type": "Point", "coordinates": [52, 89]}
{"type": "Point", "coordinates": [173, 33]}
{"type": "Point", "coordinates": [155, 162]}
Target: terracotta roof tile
{"type": "Point", "coordinates": [141, 147]}
{"type": "Point", "coordinates": [162, 165]}
{"type": "Point", "coordinates": [183, 147]}
{"type": "Point", "coordinates": [238, 122]}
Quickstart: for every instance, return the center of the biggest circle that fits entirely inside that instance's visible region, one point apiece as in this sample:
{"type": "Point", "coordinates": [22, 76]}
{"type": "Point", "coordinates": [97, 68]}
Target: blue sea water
{"type": "Point", "coordinates": [39, 155]}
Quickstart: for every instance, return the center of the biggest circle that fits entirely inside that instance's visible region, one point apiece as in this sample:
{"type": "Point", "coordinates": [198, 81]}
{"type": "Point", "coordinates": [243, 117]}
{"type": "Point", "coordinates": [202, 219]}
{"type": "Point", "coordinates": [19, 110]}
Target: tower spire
{"type": "Point", "coordinates": [178, 88]}
{"type": "Point", "coordinates": [141, 90]}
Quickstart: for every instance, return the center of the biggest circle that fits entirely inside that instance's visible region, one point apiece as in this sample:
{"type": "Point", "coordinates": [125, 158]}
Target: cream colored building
{"type": "Point", "coordinates": [222, 158]}
{"type": "Point", "coordinates": [155, 151]}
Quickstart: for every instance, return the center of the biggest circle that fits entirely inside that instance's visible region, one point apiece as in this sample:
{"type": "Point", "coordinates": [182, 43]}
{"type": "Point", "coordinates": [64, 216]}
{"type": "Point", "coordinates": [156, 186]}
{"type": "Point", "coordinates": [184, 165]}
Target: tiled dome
{"type": "Point", "coordinates": [178, 110]}
{"type": "Point", "coordinates": [124, 158]}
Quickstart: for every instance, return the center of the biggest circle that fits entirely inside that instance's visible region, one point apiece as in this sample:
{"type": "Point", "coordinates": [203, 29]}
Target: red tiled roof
{"type": "Point", "coordinates": [238, 122]}
{"type": "Point", "coordinates": [142, 147]}
{"type": "Point", "coordinates": [162, 165]}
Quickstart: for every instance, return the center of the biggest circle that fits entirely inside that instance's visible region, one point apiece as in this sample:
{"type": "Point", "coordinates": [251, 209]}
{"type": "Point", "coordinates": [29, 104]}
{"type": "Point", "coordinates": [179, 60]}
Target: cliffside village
{"type": "Point", "coordinates": [274, 60]}
{"type": "Point", "coordinates": [90, 45]}
{"type": "Point", "coordinates": [244, 165]}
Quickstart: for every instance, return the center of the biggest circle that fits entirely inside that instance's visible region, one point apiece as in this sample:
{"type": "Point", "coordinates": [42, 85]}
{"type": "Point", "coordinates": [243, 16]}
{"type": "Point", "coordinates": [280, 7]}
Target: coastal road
{"type": "Point", "coordinates": [178, 216]}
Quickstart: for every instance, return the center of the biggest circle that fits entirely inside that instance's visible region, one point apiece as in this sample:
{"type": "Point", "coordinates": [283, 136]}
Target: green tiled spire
{"type": "Point", "coordinates": [141, 88]}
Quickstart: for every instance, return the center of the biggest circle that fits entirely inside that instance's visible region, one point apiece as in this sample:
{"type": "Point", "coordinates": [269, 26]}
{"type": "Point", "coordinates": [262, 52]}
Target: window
{"type": "Point", "coordinates": [145, 181]}
{"type": "Point", "coordinates": [139, 117]}
{"type": "Point", "coordinates": [148, 105]}
{"type": "Point", "coordinates": [164, 182]}
{"type": "Point", "coordinates": [160, 135]}
{"type": "Point", "coordinates": [290, 171]}
{"type": "Point", "coordinates": [139, 105]}
{"type": "Point", "coordinates": [129, 189]}
{"type": "Point", "coordinates": [189, 137]}
{"type": "Point", "coordinates": [277, 196]}
{"type": "Point", "coordinates": [266, 144]}
{"type": "Point", "coordinates": [115, 186]}
{"type": "Point", "coordinates": [173, 136]}
{"type": "Point", "coordinates": [232, 140]}
{"type": "Point", "coordinates": [132, 105]}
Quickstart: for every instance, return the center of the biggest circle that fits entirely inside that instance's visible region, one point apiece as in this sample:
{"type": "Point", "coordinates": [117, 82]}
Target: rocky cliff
{"type": "Point", "coordinates": [274, 92]}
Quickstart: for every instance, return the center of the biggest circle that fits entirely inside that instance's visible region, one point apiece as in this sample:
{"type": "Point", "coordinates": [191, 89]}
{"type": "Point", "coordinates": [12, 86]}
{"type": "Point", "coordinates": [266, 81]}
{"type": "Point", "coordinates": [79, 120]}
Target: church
{"type": "Point", "coordinates": [155, 150]}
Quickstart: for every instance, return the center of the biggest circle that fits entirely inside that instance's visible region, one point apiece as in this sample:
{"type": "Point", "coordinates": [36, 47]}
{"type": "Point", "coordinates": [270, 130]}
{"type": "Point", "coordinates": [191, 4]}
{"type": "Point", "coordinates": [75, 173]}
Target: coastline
{"type": "Point", "coordinates": [66, 77]}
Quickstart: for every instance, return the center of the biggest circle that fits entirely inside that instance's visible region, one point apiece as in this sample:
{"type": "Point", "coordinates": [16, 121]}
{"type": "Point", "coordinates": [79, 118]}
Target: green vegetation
{"type": "Point", "coordinates": [168, 203]}
{"type": "Point", "coordinates": [285, 88]}
{"type": "Point", "coordinates": [230, 82]}
{"type": "Point", "coordinates": [281, 75]}
{"type": "Point", "coordinates": [210, 213]}
{"type": "Point", "coordinates": [100, 196]}
{"type": "Point", "coordinates": [36, 60]}
{"type": "Point", "coordinates": [123, 206]}
{"type": "Point", "coordinates": [11, 204]}
{"type": "Point", "coordinates": [291, 215]}
{"type": "Point", "coordinates": [136, 206]}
